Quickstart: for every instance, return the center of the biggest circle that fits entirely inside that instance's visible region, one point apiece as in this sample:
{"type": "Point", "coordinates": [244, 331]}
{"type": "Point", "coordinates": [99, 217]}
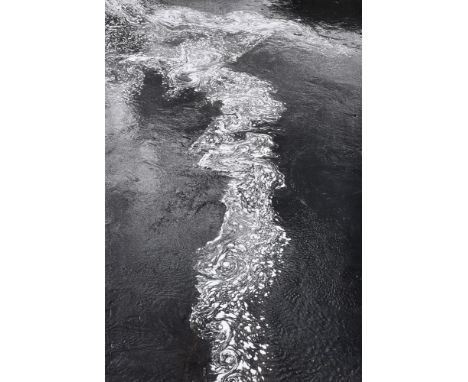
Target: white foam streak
{"type": "Point", "coordinates": [236, 269]}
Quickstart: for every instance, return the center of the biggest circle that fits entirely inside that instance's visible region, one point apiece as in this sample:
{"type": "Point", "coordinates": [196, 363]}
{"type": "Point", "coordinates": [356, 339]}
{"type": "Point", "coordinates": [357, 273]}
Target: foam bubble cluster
{"type": "Point", "coordinates": [237, 268]}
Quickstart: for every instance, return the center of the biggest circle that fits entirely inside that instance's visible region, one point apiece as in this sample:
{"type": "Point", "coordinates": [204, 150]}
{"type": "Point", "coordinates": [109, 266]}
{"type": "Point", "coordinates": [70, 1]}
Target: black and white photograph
{"type": "Point", "coordinates": [234, 191]}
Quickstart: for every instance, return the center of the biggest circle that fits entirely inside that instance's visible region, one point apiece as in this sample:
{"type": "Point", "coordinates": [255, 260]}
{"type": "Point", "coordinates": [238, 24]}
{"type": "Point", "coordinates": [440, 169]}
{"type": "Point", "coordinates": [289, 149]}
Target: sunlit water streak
{"type": "Point", "coordinates": [236, 269]}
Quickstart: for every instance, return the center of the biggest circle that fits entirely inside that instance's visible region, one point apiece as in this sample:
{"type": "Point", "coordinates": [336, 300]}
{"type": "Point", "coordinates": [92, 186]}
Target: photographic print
{"type": "Point", "coordinates": [233, 190]}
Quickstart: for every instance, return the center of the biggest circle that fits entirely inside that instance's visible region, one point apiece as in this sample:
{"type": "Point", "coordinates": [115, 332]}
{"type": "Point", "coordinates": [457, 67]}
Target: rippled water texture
{"type": "Point", "coordinates": [192, 172]}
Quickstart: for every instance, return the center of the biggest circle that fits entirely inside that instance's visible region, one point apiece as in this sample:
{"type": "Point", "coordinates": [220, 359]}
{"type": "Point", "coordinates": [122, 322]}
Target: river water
{"type": "Point", "coordinates": [233, 192]}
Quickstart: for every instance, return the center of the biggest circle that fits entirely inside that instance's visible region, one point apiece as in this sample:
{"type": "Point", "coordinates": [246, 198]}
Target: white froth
{"type": "Point", "coordinates": [235, 270]}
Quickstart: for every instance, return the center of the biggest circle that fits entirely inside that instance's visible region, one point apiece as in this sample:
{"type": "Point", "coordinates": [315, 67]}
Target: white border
{"type": "Point", "coordinates": [415, 191]}
{"type": "Point", "coordinates": [52, 193]}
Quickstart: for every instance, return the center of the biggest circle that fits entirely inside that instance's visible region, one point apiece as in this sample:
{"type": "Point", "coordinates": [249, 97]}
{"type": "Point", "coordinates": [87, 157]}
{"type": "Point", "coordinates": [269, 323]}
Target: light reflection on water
{"type": "Point", "coordinates": [148, 158]}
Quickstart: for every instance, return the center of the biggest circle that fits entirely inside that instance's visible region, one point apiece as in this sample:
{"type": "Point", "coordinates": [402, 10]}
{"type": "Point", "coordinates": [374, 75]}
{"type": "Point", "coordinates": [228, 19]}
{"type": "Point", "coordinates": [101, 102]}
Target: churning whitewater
{"type": "Point", "coordinates": [235, 270]}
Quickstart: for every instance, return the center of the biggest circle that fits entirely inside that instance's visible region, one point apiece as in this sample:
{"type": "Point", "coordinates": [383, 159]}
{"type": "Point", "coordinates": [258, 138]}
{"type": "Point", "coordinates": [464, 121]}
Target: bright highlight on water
{"type": "Point", "coordinates": [192, 50]}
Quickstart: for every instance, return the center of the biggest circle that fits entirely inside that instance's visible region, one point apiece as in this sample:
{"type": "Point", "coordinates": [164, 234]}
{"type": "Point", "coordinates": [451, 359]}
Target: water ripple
{"type": "Point", "coordinates": [235, 270]}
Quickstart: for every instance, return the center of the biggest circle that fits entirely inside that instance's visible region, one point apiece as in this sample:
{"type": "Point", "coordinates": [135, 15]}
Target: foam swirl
{"type": "Point", "coordinates": [236, 269]}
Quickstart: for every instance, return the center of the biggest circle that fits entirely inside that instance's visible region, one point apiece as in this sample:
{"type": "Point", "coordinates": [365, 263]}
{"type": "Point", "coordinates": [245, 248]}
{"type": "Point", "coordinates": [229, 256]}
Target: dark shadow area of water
{"type": "Point", "coordinates": [159, 209]}
{"type": "Point", "coordinates": [314, 310]}
{"type": "Point", "coordinates": [342, 13]}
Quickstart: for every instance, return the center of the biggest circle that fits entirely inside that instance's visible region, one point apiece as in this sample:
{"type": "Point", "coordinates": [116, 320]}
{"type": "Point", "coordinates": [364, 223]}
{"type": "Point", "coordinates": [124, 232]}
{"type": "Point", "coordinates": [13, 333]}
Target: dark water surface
{"type": "Point", "coordinates": [161, 206]}
{"type": "Point", "coordinates": [315, 308]}
{"type": "Point", "coordinates": [160, 209]}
